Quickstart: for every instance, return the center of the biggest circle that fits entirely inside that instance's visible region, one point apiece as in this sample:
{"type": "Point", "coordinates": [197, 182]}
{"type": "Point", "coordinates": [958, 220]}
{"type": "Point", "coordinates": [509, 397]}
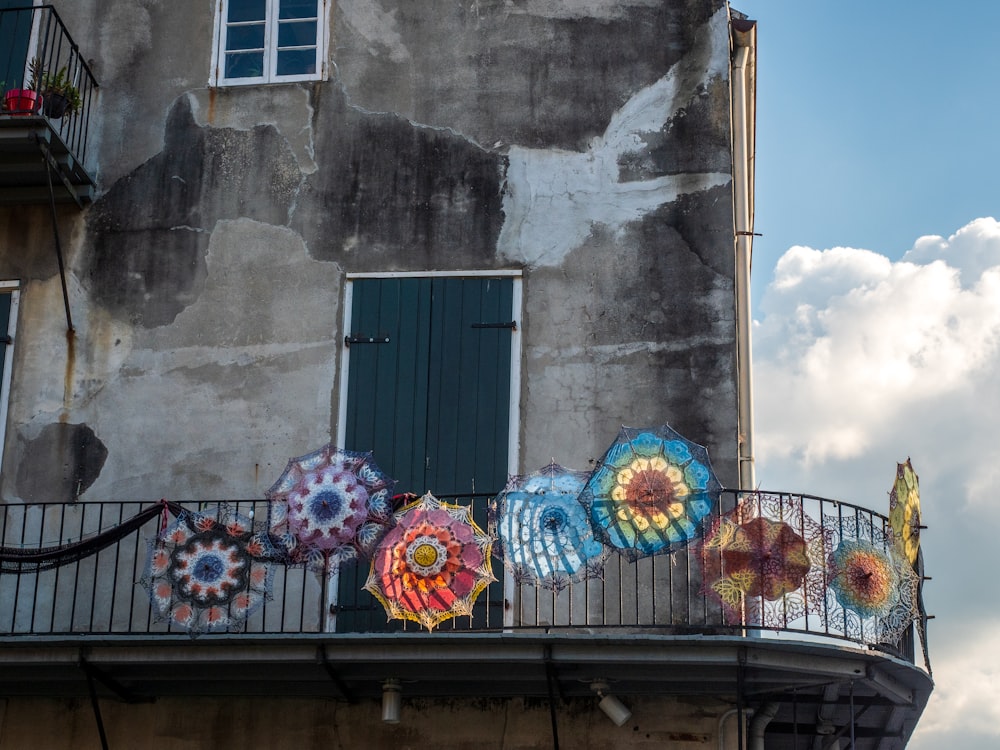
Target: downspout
{"type": "Point", "coordinates": [722, 723]}
{"type": "Point", "coordinates": [759, 723]}
{"type": "Point", "coordinates": [742, 82]}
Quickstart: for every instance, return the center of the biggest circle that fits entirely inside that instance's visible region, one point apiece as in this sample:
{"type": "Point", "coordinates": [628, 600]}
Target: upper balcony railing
{"type": "Point", "coordinates": [774, 562]}
{"type": "Point", "coordinates": [49, 97]}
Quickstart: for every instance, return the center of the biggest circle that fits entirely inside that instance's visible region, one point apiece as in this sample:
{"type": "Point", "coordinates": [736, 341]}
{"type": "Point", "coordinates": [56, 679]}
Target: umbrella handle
{"type": "Point", "coordinates": [163, 515]}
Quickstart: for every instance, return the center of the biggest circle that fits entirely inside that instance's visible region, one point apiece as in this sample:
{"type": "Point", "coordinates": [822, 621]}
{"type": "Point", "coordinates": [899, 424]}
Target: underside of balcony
{"type": "Point", "coordinates": [34, 155]}
{"type": "Point", "coordinates": [817, 690]}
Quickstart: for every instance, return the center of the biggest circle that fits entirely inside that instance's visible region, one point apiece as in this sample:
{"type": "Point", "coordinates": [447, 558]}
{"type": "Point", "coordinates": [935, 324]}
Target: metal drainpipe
{"type": "Point", "coordinates": [744, 235]}
{"type": "Point", "coordinates": [722, 724]}
{"type": "Point", "coordinates": [759, 723]}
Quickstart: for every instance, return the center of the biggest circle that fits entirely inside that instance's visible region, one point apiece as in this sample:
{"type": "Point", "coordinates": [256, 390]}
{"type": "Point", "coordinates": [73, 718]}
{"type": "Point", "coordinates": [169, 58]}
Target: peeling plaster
{"type": "Point", "coordinates": [618, 353]}
{"type": "Point", "coordinates": [65, 377]}
{"type": "Point", "coordinates": [287, 108]}
{"type": "Point", "coordinates": [146, 260]}
{"type": "Point", "coordinates": [378, 28]}
{"type": "Point", "coordinates": [534, 74]}
{"type": "Point", "coordinates": [552, 198]}
{"type": "Point", "coordinates": [60, 463]}
{"type": "Point", "coordinates": [605, 9]}
{"type": "Point", "coordinates": [399, 195]}
{"type": "Point", "coordinates": [245, 364]}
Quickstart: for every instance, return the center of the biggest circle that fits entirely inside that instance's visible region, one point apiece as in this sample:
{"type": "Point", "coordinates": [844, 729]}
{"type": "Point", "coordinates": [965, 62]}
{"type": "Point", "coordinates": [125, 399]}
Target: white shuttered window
{"type": "Point", "coordinates": [270, 41]}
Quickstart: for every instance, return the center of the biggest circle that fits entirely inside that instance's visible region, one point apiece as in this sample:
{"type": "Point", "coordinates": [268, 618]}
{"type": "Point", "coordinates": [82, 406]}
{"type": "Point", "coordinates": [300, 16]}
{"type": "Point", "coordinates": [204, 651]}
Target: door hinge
{"type": "Point", "coordinates": [512, 325]}
{"type": "Point", "coordinates": [348, 340]}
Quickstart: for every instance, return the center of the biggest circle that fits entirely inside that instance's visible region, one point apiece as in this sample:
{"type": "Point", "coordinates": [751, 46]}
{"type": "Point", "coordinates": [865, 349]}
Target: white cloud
{"type": "Point", "coordinates": [972, 249]}
{"type": "Point", "coordinates": [965, 697]}
{"type": "Point", "coordinates": [850, 341]}
{"type": "Point", "coordinates": [861, 361]}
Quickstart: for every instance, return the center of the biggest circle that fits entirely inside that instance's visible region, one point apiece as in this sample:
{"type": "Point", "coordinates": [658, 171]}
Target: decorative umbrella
{"type": "Point", "coordinates": [208, 574]}
{"type": "Point", "coordinates": [768, 557]}
{"type": "Point", "coordinates": [905, 521]}
{"type": "Point", "coordinates": [432, 564]}
{"type": "Point", "coordinates": [544, 531]}
{"type": "Point", "coordinates": [873, 586]}
{"type": "Point", "coordinates": [904, 511]}
{"type": "Point", "coordinates": [329, 506]}
{"type": "Point", "coordinates": [650, 491]}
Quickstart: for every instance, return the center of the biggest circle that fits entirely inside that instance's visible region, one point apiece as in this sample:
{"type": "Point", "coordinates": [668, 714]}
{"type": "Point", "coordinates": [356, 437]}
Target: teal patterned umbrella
{"type": "Point", "coordinates": [651, 492]}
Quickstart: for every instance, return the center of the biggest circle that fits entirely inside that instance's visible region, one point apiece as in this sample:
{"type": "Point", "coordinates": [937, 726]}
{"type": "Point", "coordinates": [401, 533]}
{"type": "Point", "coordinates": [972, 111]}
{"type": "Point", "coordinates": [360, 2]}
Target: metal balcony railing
{"type": "Point", "coordinates": [36, 49]}
{"type": "Point", "coordinates": [775, 562]}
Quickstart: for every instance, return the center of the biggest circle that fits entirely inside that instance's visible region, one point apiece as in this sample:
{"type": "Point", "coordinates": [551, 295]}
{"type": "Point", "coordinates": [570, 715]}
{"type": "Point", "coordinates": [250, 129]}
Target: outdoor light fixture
{"type": "Point", "coordinates": [616, 710]}
{"type": "Point", "coordinates": [392, 701]}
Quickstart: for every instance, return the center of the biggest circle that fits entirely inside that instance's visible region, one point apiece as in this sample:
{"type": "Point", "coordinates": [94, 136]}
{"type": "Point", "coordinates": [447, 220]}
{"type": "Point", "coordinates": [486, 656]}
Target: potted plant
{"type": "Point", "coordinates": [60, 96]}
{"type": "Point", "coordinates": [20, 101]}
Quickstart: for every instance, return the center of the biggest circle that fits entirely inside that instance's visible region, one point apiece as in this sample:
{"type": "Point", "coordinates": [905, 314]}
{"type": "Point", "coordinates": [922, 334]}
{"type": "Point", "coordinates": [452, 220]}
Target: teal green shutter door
{"type": "Point", "coordinates": [387, 390]}
{"type": "Point", "coordinates": [15, 32]}
{"type": "Point", "coordinates": [433, 403]}
{"type": "Point", "coordinates": [469, 386]}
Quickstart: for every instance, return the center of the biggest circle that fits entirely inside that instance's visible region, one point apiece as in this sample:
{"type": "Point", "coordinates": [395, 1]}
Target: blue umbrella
{"type": "Point", "coordinates": [544, 531]}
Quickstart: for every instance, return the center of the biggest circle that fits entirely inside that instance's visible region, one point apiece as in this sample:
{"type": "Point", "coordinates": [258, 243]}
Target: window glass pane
{"type": "Point", "coordinates": [245, 37]}
{"type": "Point", "coordinates": [247, 10]}
{"type": "Point", "coordinates": [244, 65]}
{"type": "Point", "coordinates": [297, 34]}
{"type": "Point", "coordinates": [298, 9]}
{"type": "Point", "coordinates": [296, 62]}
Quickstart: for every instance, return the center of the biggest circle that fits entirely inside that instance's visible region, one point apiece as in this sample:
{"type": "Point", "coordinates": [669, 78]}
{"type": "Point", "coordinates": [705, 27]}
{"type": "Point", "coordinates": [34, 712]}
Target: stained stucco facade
{"type": "Point", "coordinates": [581, 147]}
{"type": "Point", "coordinates": [585, 145]}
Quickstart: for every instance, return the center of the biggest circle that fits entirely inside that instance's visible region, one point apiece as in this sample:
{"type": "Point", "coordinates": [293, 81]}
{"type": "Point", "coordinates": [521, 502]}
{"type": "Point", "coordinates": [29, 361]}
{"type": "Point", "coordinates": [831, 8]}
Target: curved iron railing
{"type": "Point", "coordinates": [765, 563]}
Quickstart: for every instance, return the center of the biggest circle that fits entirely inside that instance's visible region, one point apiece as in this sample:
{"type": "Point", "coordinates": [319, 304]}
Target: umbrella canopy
{"type": "Point", "coordinates": [904, 511]}
{"type": "Point", "coordinates": [650, 492]}
{"type": "Point", "coordinates": [905, 522]}
{"type": "Point", "coordinates": [544, 531]}
{"type": "Point", "coordinates": [208, 573]}
{"type": "Point", "coordinates": [764, 561]}
{"type": "Point", "coordinates": [432, 564]}
{"type": "Point", "coordinates": [329, 506]}
{"type": "Point", "coordinates": [871, 584]}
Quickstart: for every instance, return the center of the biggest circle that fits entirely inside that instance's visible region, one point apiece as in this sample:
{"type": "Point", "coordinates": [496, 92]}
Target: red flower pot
{"type": "Point", "coordinates": [22, 102]}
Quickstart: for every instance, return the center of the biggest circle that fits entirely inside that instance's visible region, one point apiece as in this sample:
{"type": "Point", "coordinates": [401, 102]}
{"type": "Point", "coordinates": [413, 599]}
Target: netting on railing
{"type": "Point", "coordinates": [23, 560]}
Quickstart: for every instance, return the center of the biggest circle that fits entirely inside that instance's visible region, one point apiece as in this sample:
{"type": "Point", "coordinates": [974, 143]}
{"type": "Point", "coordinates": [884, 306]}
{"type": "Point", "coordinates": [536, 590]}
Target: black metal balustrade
{"type": "Point", "coordinates": [36, 50]}
{"type": "Point", "coordinates": [81, 590]}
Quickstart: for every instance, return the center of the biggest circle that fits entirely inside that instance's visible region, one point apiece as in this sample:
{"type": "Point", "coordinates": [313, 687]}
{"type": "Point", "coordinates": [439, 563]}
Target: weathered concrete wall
{"type": "Point", "coordinates": [279, 723]}
{"type": "Point", "coordinates": [586, 143]}
{"type": "Point", "coordinates": [582, 142]}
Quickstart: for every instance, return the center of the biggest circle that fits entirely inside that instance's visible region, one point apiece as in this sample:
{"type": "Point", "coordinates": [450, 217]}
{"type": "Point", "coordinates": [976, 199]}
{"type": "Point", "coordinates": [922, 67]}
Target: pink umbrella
{"type": "Point", "coordinates": [432, 564]}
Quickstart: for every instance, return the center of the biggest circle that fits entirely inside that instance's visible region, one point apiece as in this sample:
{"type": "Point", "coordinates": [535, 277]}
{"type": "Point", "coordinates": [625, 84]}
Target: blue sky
{"type": "Point", "coordinates": [876, 293]}
{"type": "Point", "coordinates": [877, 122]}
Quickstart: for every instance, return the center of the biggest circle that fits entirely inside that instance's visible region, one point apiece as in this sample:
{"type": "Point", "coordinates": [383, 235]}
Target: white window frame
{"type": "Point", "coordinates": [270, 49]}
{"type": "Point", "coordinates": [13, 288]}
